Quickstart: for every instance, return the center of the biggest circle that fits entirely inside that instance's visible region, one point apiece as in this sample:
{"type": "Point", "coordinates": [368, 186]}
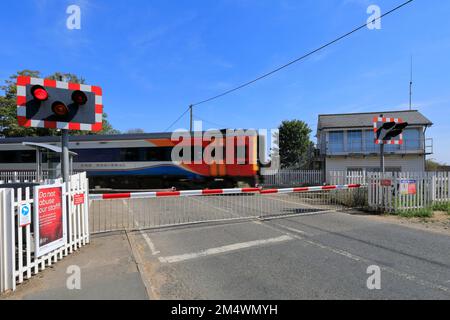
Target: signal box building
{"type": "Point", "coordinates": [346, 142]}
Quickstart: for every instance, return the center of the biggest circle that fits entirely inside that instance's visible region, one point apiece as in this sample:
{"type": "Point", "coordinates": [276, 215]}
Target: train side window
{"type": "Point", "coordinates": [97, 155]}
{"type": "Point", "coordinates": [27, 156]}
{"type": "Point", "coordinates": [157, 154]}
{"type": "Point", "coordinates": [19, 156]}
{"type": "Point", "coordinates": [8, 156]}
{"type": "Point", "coordinates": [130, 154]}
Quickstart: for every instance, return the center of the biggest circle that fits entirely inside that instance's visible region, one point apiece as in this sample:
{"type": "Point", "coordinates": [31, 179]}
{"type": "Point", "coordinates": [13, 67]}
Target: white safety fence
{"type": "Point", "coordinates": [290, 178]}
{"type": "Point", "coordinates": [405, 191]}
{"type": "Point", "coordinates": [347, 177]}
{"type": "Point", "coordinates": [18, 257]}
{"type": "Point", "coordinates": [23, 176]}
{"type": "Point", "coordinates": [137, 211]}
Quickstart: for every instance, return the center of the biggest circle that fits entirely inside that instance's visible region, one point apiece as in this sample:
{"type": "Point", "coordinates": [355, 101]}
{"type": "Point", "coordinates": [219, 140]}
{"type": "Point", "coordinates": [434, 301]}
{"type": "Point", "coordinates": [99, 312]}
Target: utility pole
{"type": "Point", "coordinates": [411, 85]}
{"type": "Point", "coordinates": [191, 118]}
{"type": "Point", "coordinates": [382, 166]}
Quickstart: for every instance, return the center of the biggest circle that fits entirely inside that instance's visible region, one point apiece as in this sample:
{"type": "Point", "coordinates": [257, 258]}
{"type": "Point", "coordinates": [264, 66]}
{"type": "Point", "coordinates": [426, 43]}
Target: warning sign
{"type": "Point", "coordinates": [50, 217]}
{"type": "Point", "coordinates": [78, 199]}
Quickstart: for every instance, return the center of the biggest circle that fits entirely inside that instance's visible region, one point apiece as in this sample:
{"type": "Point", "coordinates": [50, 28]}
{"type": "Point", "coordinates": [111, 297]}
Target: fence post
{"type": "Point", "coordinates": [7, 242]}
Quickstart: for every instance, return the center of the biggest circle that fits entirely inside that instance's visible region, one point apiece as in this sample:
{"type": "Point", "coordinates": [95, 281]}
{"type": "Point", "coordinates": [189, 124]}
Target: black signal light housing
{"type": "Point", "coordinates": [79, 97]}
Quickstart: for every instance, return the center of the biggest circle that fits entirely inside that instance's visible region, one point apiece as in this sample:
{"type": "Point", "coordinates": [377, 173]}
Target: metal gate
{"type": "Point", "coordinates": [137, 211]}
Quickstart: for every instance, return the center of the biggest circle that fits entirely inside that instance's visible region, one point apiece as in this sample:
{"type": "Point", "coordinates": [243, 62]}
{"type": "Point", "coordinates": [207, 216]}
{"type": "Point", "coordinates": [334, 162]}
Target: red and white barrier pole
{"type": "Point", "coordinates": [190, 193]}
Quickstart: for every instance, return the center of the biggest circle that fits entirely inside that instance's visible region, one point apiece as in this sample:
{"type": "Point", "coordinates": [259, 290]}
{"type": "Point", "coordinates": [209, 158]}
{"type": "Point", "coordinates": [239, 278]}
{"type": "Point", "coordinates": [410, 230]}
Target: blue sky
{"type": "Point", "coordinates": [154, 58]}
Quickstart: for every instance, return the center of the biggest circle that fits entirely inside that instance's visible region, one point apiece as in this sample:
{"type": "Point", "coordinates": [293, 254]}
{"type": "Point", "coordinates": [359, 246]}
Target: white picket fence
{"type": "Point", "coordinates": [403, 191]}
{"type": "Point", "coordinates": [18, 260]}
{"type": "Point", "coordinates": [289, 178]}
{"type": "Point", "coordinates": [346, 177]}
{"type": "Point", "coordinates": [22, 176]}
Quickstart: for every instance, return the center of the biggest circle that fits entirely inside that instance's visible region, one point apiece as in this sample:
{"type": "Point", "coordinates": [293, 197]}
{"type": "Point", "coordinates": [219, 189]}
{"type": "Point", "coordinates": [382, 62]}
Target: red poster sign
{"type": "Point", "coordinates": [386, 183]}
{"type": "Point", "coordinates": [412, 188]}
{"type": "Point", "coordinates": [78, 199]}
{"type": "Point", "coordinates": [50, 218]}
{"type": "Point", "coordinates": [50, 215]}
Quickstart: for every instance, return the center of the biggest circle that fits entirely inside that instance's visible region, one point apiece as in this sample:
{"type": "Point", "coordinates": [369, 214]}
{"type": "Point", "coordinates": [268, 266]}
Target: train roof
{"type": "Point", "coordinates": [81, 138]}
{"type": "Point", "coordinates": [76, 138]}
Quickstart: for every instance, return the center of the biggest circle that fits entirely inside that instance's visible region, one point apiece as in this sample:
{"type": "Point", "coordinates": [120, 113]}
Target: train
{"type": "Point", "coordinates": [145, 161]}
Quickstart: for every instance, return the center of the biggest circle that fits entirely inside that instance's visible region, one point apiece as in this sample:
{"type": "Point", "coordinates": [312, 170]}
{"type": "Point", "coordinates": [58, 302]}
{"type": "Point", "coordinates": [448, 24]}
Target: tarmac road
{"type": "Point", "coordinates": [324, 256]}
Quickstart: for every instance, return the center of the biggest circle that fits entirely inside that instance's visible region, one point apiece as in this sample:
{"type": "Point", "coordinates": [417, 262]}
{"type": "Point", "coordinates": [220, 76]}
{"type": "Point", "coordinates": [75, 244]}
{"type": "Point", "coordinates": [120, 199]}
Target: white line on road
{"type": "Point", "coordinates": [359, 259]}
{"type": "Point", "coordinates": [144, 235]}
{"type": "Point", "coordinates": [228, 248]}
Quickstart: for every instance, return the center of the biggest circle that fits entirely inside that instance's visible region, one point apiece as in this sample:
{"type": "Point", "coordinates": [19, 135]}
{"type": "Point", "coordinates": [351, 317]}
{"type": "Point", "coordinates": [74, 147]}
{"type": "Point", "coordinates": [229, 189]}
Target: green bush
{"type": "Point", "coordinates": [442, 206]}
{"type": "Point", "coordinates": [417, 213]}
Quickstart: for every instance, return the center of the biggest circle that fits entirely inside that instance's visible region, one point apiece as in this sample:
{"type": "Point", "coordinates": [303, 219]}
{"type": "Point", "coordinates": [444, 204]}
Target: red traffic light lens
{"type": "Point", "coordinates": [39, 93]}
{"type": "Point", "coordinates": [60, 108]}
{"type": "Point", "coordinates": [79, 97]}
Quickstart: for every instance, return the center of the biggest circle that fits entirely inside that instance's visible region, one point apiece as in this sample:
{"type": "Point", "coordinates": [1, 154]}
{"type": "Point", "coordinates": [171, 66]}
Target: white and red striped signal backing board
{"type": "Point", "coordinates": [24, 81]}
{"type": "Point", "coordinates": [378, 122]}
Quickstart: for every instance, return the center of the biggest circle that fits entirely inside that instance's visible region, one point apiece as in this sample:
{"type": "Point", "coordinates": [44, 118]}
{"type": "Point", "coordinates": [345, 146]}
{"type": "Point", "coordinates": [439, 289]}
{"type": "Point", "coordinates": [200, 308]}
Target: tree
{"type": "Point", "coordinates": [134, 131]}
{"type": "Point", "coordinates": [433, 165]}
{"type": "Point", "coordinates": [295, 146]}
{"type": "Point", "coordinates": [8, 115]}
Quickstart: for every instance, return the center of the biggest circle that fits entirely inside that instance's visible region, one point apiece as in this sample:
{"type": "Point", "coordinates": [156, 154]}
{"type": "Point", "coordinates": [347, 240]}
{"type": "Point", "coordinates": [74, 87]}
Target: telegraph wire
{"type": "Point", "coordinates": [246, 84]}
{"type": "Point", "coordinates": [302, 57]}
{"type": "Point", "coordinates": [178, 119]}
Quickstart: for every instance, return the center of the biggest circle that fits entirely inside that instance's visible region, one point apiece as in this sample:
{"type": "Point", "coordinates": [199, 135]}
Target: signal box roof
{"type": "Point", "coordinates": [365, 120]}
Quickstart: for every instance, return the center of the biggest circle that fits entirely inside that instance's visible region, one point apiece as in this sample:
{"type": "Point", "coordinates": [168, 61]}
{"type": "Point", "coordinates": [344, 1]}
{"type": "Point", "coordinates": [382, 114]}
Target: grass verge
{"type": "Point", "coordinates": [418, 213]}
{"type": "Point", "coordinates": [442, 206]}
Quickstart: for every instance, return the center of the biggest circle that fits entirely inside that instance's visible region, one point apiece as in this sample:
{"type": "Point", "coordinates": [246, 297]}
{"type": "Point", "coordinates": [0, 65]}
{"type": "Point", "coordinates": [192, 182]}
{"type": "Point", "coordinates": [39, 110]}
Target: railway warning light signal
{"type": "Point", "coordinates": [48, 103]}
{"type": "Point", "coordinates": [60, 109]}
{"type": "Point", "coordinates": [385, 127]}
{"type": "Point", "coordinates": [79, 97]}
{"type": "Point", "coordinates": [395, 131]}
{"type": "Point", "coordinates": [39, 93]}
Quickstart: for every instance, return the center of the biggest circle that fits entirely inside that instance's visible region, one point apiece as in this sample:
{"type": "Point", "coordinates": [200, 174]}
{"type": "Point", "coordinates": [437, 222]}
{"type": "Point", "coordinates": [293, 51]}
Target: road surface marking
{"type": "Point", "coordinates": [228, 248]}
{"type": "Point", "coordinates": [356, 258]}
{"type": "Point", "coordinates": [215, 207]}
{"type": "Point", "coordinates": [144, 235]}
{"type": "Point", "coordinates": [301, 204]}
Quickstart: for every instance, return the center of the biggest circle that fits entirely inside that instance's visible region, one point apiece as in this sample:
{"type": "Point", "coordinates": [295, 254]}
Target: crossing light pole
{"type": "Point", "coordinates": [191, 116]}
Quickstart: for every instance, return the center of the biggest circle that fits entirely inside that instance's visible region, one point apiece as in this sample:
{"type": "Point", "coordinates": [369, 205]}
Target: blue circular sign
{"type": "Point", "coordinates": [25, 210]}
